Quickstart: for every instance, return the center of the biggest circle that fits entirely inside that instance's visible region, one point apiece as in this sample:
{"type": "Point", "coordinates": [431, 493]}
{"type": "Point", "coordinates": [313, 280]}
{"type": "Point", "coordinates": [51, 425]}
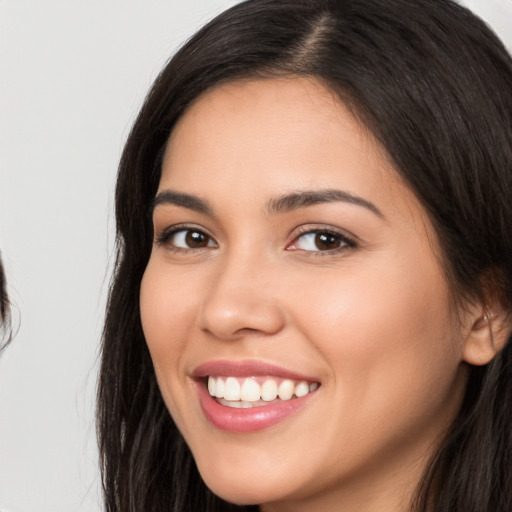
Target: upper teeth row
{"type": "Point", "coordinates": [250, 391]}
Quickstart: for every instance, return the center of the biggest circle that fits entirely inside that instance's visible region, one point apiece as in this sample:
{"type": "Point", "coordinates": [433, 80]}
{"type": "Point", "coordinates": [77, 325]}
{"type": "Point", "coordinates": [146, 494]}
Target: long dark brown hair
{"type": "Point", "coordinates": [434, 85]}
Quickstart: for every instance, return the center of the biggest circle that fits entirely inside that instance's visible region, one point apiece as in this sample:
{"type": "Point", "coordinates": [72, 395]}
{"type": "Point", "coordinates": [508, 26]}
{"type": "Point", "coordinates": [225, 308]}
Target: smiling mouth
{"type": "Point", "coordinates": [245, 393]}
{"type": "Point", "coordinates": [242, 397]}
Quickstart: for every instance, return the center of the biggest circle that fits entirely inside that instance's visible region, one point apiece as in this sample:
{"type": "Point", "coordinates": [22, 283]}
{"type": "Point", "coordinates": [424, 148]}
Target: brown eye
{"type": "Point", "coordinates": [196, 239]}
{"type": "Point", "coordinates": [327, 241]}
{"type": "Point", "coordinates": [190, 239]}
{"type": "Point", "coordinates": [318, 241]}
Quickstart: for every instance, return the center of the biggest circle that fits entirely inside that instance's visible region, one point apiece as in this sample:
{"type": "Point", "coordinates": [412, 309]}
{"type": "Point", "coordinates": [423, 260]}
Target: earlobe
{"type": "Point", "coordinates": [488, 335]}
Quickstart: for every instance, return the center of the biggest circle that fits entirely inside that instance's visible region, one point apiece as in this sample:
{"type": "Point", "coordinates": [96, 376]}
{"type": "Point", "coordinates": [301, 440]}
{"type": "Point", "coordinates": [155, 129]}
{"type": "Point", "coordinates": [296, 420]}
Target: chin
{"type": "Point", "coordinates": [240, 493]}
{"type": "Point", "coordinates": [245, 487]}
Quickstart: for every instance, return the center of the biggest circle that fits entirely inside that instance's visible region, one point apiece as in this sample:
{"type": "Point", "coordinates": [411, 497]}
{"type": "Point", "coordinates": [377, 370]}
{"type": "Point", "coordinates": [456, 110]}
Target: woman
{"type": "Point", "coordinates": [311, 303]}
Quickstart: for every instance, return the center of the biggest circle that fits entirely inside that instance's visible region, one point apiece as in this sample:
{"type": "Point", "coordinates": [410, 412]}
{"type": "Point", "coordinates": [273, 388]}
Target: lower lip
{"type": "Point", "coordinates": [250, 419]}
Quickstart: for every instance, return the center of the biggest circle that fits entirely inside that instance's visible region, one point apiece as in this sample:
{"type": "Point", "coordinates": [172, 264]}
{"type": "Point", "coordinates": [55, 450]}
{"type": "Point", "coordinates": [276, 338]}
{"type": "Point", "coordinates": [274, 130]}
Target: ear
{"type": "Point", "coordinates": [489, 332]}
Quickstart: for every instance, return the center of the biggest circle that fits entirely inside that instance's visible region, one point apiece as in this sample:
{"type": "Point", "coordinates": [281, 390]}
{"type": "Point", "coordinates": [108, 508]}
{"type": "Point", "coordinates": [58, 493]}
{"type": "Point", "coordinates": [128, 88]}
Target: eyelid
{"type": "Point", "coordinates": [349, 241]}
{"type": "Point", "coordinates": [162, 236]}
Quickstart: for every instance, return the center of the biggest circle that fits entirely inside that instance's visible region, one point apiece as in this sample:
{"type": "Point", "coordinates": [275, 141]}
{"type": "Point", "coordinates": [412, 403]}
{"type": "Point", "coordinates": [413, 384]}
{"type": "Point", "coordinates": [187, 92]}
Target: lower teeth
{"type": "Point", "coordinates": [242, 404]}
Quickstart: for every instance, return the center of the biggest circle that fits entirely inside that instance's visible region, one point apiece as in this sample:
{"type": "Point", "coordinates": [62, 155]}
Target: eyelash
{"type": "Point", "coordinates": [166, 235]}
{"type": "Point", "coordinates": [346, 242]}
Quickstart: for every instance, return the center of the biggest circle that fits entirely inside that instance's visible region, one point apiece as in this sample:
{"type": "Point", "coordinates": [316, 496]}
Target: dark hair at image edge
{"type": "Point", "coordinates": [433, 84]}
{"type": "Point", "coordinates": [5, 317]}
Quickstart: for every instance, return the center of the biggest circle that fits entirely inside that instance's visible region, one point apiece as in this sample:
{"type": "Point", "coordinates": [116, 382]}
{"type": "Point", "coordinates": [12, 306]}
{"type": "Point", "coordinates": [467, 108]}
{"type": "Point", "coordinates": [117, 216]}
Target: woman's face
{"type": "Point", "coordinates": [290, 259]}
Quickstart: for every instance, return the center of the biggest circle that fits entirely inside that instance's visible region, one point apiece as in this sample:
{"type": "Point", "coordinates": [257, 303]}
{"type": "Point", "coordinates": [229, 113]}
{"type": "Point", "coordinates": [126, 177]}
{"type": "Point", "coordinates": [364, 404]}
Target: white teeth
{"type": "Point", "coordinates": [211, 386]}
{"type": "Point", "coordinates": [285, 390]}
{"type": "Point", "coordinates": [251, 391]}
{"type": "Point", "coordinates": [219, 388]}
{"type": "Point", "coordinates": [269, 390]}
{"type": "Point", "coordinates": [301, 389]}
{"type": "Point", "coordinates": [232, 389]}
{"type": "Point", "coordinates": [240, 404]}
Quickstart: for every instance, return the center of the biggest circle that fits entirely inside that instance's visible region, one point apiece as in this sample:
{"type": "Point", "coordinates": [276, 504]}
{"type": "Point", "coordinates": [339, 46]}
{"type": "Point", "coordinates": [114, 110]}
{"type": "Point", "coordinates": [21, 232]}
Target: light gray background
{"type": "Point", "coordinates": [72, 76]}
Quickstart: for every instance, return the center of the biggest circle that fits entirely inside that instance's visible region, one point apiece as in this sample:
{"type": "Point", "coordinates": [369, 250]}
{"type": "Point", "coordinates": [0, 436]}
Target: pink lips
{"type": "Point", "coordinates": [250, 419]}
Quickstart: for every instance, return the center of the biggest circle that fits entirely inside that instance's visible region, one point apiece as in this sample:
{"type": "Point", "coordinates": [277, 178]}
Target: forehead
{"type": "Point", "coordinates": [271, 125]}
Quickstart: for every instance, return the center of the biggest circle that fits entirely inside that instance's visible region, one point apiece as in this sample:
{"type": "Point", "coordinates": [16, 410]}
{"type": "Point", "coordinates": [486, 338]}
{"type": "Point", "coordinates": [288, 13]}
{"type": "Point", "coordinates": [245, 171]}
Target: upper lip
{"type": "Point", "coordinates": [246, 369]}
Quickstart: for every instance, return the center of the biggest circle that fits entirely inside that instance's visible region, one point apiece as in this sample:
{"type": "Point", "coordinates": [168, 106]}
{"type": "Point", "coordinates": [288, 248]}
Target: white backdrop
{"type": "Point", "coordinates": [72, 75]}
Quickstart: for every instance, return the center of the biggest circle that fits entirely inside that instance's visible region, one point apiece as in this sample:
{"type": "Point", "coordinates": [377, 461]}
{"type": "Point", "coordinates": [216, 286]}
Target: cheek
{"type": "Point", "coordinates": [166, 308]}
{"type": "Point", "coordinates": [392, 346]}
{"type": "Point", "coordinates": [167, 302]}
{"type": "Point", "coordinates": [167, 305]}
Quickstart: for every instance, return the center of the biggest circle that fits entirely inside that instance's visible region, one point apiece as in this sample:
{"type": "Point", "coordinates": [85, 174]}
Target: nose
{"type": "Point", "coordinates": [241, 300]}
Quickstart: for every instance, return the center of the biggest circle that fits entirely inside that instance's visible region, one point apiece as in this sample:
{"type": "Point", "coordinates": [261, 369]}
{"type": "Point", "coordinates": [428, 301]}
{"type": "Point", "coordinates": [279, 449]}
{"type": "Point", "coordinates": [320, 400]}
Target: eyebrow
{"type": "Point", "coordinates": [281, 204]}
{"type": "Point", "coordinates": [303, 199]}
{"type": "Point", "coordinates": [181, 199]}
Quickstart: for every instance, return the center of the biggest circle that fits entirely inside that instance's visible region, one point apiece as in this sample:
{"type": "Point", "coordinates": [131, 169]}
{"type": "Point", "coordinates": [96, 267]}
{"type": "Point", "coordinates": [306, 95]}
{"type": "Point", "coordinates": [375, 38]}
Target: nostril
{"type": "Point", "coordinates": [243, 315]}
